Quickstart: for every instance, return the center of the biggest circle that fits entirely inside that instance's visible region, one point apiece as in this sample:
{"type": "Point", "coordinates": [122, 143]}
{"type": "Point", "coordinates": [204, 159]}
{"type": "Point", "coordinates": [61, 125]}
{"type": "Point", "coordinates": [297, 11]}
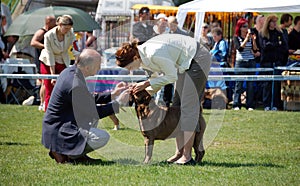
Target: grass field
{"type": "Point", "coordinates": [251, 148]}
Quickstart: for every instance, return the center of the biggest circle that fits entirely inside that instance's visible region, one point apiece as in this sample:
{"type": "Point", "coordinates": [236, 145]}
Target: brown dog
{"type": "Point", "coordinates": [160, 123]}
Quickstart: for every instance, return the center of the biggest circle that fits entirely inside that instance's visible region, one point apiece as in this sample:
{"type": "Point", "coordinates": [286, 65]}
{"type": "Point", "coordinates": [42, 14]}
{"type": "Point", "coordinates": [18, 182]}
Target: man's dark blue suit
{"type": "Point", "coordinates": [72, 107]}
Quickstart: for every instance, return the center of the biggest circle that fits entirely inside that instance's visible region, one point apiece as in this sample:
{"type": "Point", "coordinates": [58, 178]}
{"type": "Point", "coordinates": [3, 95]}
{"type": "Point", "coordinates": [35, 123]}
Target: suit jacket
{"type": "Point", "coordinates": [73, 108]}
{"type": "Point", "coordinates": [53, 47]}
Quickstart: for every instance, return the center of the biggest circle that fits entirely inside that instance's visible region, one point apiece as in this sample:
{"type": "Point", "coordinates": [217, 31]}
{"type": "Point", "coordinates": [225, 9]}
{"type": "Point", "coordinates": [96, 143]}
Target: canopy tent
{"type": "Point", "coordinates": [156, 9]}
{"type": "Point", "coordinates": [202, 6]}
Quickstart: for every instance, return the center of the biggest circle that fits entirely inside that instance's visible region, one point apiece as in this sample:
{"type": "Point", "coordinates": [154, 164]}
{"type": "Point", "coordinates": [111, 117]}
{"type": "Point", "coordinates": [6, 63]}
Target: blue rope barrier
{"type": "Point", "coordinates": [130, 78]}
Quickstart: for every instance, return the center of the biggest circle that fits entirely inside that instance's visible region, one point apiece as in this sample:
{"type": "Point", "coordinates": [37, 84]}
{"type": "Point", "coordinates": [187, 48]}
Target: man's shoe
{"type": "Point", "coordinates": [85, 159]}
{"type": "Point", "coordinates": [59, 158]}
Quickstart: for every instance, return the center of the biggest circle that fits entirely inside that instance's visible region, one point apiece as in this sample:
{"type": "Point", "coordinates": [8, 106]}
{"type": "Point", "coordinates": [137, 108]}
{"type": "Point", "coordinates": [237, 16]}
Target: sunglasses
{"type": "Point", "coordinates": [245, 26]}
{"type": "Point", "coordinates": [145, 12]}
{"type": "Point", "coordinates": [205, 27]}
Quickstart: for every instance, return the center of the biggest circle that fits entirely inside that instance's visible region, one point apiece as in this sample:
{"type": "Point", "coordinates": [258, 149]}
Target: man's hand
{"type": "Point", "coordinates": [120, 87]}
{"type": "Point", "coordinates": [123, 98]}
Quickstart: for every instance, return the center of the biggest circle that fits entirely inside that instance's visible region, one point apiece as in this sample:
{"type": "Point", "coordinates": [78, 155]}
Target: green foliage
{"type": "Point", "coordinates": [252, 148]}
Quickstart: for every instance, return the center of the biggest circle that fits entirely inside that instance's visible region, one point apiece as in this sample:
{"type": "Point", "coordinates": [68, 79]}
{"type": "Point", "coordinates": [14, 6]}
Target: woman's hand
{"type": "Point", "coordinates": [53, 81]}
{"type": "Point", "coordinates": [140, 86]}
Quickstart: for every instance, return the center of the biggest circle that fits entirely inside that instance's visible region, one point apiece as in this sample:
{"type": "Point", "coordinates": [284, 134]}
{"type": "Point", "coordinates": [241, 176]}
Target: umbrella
{"type": "Point", "coordinates": [29, 22]}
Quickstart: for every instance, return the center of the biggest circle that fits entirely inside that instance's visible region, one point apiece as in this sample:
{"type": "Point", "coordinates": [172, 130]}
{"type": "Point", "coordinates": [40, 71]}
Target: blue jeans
{"type": "Point", "coordinates": [271, 90]}
{"type": "Point", "coordinates": [238, 89]}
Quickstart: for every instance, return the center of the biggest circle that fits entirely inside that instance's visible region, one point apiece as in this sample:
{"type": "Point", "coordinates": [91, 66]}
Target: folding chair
{"type": "Point", "coordinates": [17, 90]}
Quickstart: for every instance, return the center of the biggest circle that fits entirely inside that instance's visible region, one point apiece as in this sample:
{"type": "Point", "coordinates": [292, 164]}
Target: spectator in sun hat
{"type": "Point", "coordinates": [143, 29]}
{"type": "Point", "coordinates": [161, 24]}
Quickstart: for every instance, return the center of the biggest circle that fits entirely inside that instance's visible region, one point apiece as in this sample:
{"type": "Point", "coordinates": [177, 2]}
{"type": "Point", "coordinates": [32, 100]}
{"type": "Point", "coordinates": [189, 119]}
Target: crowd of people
{"type": "Point", "coordinates": [178, 66]}
{"type": "Point", "coordinates": [266, 45]}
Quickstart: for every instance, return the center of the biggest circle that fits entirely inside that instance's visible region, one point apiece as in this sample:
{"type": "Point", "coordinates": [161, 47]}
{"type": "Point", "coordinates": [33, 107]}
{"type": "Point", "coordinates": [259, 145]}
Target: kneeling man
{"type": "Point", "coordinates": [70, 122]}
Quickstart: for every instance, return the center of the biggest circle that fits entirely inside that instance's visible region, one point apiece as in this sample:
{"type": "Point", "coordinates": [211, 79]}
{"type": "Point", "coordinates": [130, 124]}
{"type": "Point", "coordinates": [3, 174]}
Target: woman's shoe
{"type": "Point", "coordinates": [191, 162]}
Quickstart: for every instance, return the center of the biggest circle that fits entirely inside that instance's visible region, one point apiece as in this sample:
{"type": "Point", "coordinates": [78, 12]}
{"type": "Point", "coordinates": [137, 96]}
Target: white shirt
{"type": "Point", "coordinates": [167, 54]}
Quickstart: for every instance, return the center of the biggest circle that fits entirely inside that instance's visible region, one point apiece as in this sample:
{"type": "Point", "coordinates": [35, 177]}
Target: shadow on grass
{"type": "Point", "coordinates": [108, 162]}
{"type": "Point", "coordinates": [231, 165]}
{"type": "Point", "coordinates": [95, 162]}
{"type": "Point", "coordinates": [128, 161]}
{"type": "Point", "coordinates": [224, 164]}
{"type": "Point", "coordinates": [12, 143]}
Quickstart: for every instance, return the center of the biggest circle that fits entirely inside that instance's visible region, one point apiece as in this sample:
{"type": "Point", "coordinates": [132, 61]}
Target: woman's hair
{"type": "Point", "coordinates": [64, 20]}
{"type": "Point", "coordinates": [238, 26]}
{"type": "Point", "coordinates": [265, 28]}
{"type": "Point", "coordinates": [126, 53]}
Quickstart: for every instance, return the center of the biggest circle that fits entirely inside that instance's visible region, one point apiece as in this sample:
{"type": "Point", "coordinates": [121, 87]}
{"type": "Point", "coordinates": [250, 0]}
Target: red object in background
{"type": "Point", "coordinates": [75, 45]}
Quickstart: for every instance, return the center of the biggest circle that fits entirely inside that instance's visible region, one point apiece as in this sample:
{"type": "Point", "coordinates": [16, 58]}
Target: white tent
{"type": "Point", "coordinates": [202, 6]}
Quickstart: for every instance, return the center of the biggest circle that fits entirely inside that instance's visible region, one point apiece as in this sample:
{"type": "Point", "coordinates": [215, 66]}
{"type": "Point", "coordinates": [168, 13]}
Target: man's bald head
{"type": "Point", "coordinates": [89, 62]}
{"type": "Point", "coordinates": [87, 57]}
{"type": "Point", "coordinates": [50, 22]}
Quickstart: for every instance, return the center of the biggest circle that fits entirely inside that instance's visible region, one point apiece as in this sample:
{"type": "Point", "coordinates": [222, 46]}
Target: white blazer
{"type": "Point", "coordinates": [167, 54]}
{"type": "Point", "coordinates": [53, 47]}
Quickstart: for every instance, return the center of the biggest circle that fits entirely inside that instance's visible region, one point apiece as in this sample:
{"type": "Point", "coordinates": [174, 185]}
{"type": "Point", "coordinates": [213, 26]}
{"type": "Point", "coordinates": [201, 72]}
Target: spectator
{"type": "Point", "coordinates": [168, 89]}
{"type": "Point", "coordinates": [213, 25]}
{"type": "Point", "coordinates": [166, 93]}
{"type": "Point", "coordinates": [5, 44]}
{"type": "Point", "coordinates": [205, 39]}
{"type": "Point", "coordinates": [286, 21]}
{"type": "Point", "coordinates": [259, 22]}
{"type": "Point", "coordinates": [180, 58]}
{"type": "Point", "coordinates": [220, 50]}
{"type": "Point", "coordinates": [273, 49]}
{"type": "Point", "coordinates": [294, 36]}
{"type": "Point", "coordinates": [37, 42]}
{"type": "Point", "coordinates": [173, 26]}
{"type": "Point", "coordinates": [91, 40]}
{"type": "Point", "coordinates": [219, 54]}
{"type": "Point", "coordinates": [245, 47]}
{"type": "Point", "coordinates": [55, 55]}
{"type": "Point", "coordinates": [143, 30]}
{"type": "Point", "coordinates": [22, 49]}
{"type": "Point", "coordinates": [161, 25]}
{"type": "Point", "coordinates": [73, 134]}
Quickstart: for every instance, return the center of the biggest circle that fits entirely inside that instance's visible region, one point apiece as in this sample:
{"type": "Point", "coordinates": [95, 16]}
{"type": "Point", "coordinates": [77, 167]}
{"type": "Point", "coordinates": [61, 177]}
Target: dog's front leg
{"type": "Point", "coordinates": [148, 149]}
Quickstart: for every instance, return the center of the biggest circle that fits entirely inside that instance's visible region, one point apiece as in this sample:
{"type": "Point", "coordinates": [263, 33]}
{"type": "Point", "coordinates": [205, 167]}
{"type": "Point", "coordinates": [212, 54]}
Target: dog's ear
{"type": "Point", "coordinates": [131, 100]}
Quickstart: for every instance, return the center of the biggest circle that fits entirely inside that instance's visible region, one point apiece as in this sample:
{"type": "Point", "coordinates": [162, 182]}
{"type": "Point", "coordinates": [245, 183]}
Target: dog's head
{"type": "Point", "coordinates": [142, 100]}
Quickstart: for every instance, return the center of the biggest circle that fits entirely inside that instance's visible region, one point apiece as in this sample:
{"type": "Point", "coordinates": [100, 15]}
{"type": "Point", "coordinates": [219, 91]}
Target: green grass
{"type": "Point", "coordinates": [251, 148]}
